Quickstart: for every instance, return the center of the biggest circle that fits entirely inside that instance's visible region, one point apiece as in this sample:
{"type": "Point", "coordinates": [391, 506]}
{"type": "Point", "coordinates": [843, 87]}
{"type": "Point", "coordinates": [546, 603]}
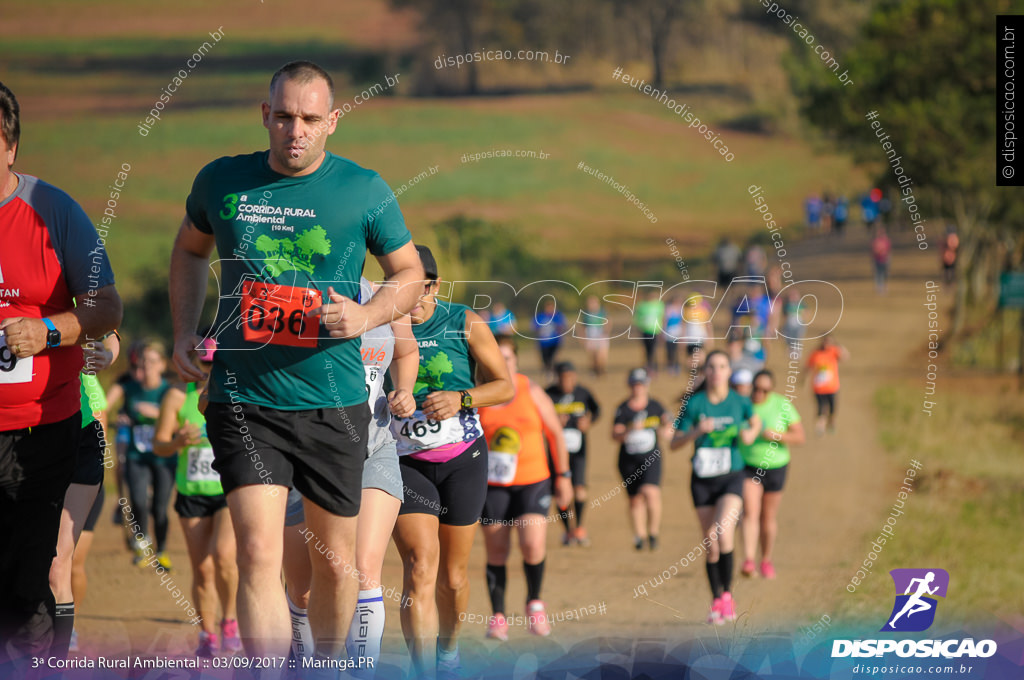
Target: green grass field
{"type": "Point", "coordinates": [694, 193]}
{"type": "Point", "coordinates": [964, 513]}
{"type": "Point", "coordinates": [83, 98]}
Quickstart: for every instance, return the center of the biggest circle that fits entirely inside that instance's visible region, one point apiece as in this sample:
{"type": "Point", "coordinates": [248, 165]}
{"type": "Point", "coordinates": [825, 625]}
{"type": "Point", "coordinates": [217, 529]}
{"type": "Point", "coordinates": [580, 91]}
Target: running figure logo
{"type": "Point", "coordinates": [914, 610]}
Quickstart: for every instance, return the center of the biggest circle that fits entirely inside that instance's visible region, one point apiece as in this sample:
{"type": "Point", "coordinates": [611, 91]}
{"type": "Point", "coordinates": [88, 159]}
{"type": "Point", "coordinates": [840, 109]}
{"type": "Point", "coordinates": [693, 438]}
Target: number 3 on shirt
{"type": "Point", "coordinates": [230, 207]}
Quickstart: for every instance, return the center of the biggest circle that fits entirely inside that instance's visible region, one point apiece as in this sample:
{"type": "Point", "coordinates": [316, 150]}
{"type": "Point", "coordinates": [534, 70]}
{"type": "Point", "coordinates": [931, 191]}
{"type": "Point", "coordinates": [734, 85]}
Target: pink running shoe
{"type": "Point", "coordinates": [229, 633]}
{"type": "Point", "coordinates": [749, 570]}
{"type": "Point", "coordinates": [497, 629]}
{"type": "Point", "coordinates": [728, 607]}
{"type": "Point", "coordinates": [715, 613]}
{"type": "Point", "coordinates": [208, 645]}
{"type": "Point", "coordinates": [538, 618]}
{"type": "Point", "coordinates": [767, 570]}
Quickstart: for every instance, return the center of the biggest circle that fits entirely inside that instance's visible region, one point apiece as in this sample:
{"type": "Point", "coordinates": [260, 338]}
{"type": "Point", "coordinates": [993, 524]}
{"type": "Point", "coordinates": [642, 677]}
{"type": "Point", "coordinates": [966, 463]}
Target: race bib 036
{"type": "Point", "coordinates": [276, 315]}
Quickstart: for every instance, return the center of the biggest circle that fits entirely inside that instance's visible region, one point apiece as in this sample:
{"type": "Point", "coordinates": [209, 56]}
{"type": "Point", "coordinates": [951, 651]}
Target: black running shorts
{"type": "Point", "coordinates": [772, 480]}
{"type": "Point", "coordinates": [708, 490]}
{"type": "Point", "coordinates": [320, 452]}
{"type": "Point", "coordinates": [89, 468]}
{"type": "Point", "coordinates": [637, 470]}
{"type": "Point", "coordinates": [826, 402]}
{"type": "Point", "coordinates": [189, 507]}
{"type": "Point", "coordinates": [453, 491]}
{"type": "Point", "coordinates": [506, 503]}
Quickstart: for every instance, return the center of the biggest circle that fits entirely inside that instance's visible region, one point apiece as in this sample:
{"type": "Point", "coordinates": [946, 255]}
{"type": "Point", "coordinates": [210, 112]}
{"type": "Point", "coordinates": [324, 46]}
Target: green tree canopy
{"type": "Point", "coordinates": [928, 67]}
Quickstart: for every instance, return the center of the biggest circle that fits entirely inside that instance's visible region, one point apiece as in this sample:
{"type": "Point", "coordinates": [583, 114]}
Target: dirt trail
{"type": "Point", "coordinates": [838, 489]}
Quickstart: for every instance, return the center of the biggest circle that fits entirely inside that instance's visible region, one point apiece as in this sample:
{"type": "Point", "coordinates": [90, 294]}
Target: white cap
{"type": "Point", "coordinates": [742, 377]}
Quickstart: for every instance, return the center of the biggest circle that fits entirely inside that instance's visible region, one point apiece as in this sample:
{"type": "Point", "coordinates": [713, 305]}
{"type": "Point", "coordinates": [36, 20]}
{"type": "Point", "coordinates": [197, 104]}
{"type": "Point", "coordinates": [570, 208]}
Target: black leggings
{"type": "Point", "coordinates": [140, 476]}
{"type": "Point", "coordinates": [671, 353]}
{"type": "Point", "coordinates": [650, 345]}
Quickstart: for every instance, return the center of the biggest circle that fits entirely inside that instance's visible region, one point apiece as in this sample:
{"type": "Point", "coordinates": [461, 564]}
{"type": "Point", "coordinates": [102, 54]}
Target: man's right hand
{"type": "Point", "coordinates": [184, 351]}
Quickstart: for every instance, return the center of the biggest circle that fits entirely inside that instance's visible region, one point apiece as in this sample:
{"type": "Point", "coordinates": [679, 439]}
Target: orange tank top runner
{"type": "Point", "coordinates": [515, 439]}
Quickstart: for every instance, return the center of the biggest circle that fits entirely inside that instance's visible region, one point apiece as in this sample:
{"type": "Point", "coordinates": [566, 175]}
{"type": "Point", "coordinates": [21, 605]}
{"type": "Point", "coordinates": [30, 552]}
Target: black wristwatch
{"type": "Point", "coordinates": [567, 474]}
{"type": "Point", "coordinates": [52, 334]}
{"type": "Point", "coordinates": [467, 399]}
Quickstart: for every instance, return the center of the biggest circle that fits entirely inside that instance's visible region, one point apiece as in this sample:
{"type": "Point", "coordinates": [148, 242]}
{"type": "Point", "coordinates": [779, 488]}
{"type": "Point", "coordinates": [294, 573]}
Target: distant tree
{"type": "Point", "coordinates": [835, 25]}
{"type": "Point", "coordinates": [457, 26]}
{"type": "Point", "coordinates": [928, 68]}
{"type": "Point", "coordinates": [655, 22]}
{"type": "Point", "coordinates": [454, 27]}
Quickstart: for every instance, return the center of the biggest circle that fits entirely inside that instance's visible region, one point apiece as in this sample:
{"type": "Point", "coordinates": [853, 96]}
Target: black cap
{"type": "Point", "coordinates": [638, 376]}
{"type": "Point", "coordinates": [564, 367]}
{"type": "Point", "coordinates": [429, 263]}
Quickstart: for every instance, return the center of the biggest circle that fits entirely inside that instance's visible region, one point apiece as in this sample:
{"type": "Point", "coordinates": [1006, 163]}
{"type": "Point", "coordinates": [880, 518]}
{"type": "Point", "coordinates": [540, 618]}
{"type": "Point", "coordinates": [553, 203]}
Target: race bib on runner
{"type": "Point", "coordinates": [501, 467]}
{"type": "Point", "coordinates": [276, 315]}
{"type": "Point", "coordinates": [374, 383]}
{"type": "Point", "coordinates": [639, 442]}
{"type": "Point", "coordinates": [12, 369]}
{"type": "Point", "coordinates": [573, 439]}
{"type": "Point", "coordinates": [142, 435]}
{"type": "Point", "coordinates": [419, 433]}
{"type": "Point", "coordinates": [200, 465]}
{"type": "Point", "coordinates": [712, 461]}
{"type": "Point", "coordinates": [822, 376]}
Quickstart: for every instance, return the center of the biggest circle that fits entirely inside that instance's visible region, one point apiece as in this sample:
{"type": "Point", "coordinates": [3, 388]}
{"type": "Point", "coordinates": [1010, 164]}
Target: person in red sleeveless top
{"type": "Point", "coordinates": [519, 489]}
{"type": "Point", "coordinates": [56, 293]}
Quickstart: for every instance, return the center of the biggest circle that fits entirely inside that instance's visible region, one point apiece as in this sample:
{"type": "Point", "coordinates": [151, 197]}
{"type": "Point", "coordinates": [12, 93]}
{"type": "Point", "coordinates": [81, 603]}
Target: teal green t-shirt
{"type": "Point", "coordinates": [717, 452]}
{"type": "Point", "coordinates": [445, 359]}
{"type": "Point", "coordinates": [776, 413]}
{"type": "Point", "coordinates": [282, 241]}
{"type": "Point", "coordinates": [140, 441]}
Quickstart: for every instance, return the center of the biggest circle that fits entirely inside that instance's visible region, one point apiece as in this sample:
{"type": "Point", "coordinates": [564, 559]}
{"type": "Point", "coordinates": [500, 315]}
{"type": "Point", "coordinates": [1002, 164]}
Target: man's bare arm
{"type": "Point", "coordinates": [97, 313]}
{"type": "Point", "coordinates": [401, 291]}
{"type": "Point", "coordinates": [397, 295]}
{"type": "Point", "coordinates": [190, 272]}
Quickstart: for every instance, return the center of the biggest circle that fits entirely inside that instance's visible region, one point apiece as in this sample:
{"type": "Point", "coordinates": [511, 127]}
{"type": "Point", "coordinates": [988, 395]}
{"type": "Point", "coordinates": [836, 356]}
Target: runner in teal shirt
{"type": "Point", "coordinates": [283, 241]}
{"type": "Point", "coordinates": [292, 226]}
{"type": "Point", "coordinates": [718, 421]}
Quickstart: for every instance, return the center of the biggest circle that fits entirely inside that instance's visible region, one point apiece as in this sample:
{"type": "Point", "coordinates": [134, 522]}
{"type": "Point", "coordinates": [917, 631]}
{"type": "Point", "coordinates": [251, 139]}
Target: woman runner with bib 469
{"type": "Point", "coordinates": [717, 419]}
{"type": "Point", "coordinates": [443, 458]}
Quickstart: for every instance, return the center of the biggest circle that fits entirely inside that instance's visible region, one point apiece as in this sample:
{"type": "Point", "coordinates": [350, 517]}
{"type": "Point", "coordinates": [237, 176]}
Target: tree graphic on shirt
{"type": "Point", "coordinates": [430, 373]}
{"type": "Point", "coordinates": [294, 254]}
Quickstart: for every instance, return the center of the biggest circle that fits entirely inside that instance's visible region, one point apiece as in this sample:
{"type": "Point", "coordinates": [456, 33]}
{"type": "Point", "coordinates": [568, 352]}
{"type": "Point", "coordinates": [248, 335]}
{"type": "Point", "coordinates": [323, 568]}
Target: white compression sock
{"type": "Point", "coordinates": [366, 632]}
{"type": "Point", "coordinates": [302, 634]}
